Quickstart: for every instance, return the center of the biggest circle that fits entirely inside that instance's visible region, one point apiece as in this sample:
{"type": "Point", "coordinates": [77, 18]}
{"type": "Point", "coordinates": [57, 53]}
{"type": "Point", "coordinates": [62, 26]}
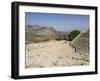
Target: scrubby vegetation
{"type": "Point", "coordinates": [73, 34]}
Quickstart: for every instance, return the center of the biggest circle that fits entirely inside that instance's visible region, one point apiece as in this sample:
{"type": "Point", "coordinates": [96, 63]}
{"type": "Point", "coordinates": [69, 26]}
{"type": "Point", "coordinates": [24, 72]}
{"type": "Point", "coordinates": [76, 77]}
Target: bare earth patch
{"type": "Point", "coordinates": [53, 54]}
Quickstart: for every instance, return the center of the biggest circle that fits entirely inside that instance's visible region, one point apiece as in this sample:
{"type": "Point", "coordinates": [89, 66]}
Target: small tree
{"type": "Point", "coordinates": [73, 34]}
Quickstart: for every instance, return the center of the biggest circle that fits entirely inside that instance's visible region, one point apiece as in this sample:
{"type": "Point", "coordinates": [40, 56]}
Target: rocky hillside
{"type": "Point", "coordinates": [37, 33]}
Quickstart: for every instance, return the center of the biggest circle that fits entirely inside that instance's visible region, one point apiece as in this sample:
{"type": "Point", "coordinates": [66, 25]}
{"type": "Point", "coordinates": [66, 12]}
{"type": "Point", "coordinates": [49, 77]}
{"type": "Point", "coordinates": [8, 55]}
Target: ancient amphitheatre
{"type": "Point", "coordinates": [55, 53]}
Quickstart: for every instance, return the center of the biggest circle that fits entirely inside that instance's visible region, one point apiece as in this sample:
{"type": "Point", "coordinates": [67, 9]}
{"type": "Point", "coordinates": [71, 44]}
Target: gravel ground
{"type": "Point", "coordinates": [53, 54]}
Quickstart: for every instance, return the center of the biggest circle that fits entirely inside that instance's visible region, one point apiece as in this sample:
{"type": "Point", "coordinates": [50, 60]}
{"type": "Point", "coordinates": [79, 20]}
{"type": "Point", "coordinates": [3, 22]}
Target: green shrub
{"type": "Point", "coordinates": [73, 34]}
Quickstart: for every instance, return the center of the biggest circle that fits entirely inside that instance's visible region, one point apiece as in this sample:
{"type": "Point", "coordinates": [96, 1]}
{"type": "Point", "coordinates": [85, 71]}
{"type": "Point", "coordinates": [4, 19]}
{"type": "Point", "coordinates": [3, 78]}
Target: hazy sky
{"type": "Point", "coordinates": [60, 22]}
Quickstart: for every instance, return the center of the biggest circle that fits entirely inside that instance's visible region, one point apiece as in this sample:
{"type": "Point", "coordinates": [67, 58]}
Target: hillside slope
{"type": "Point", "coordinates": [37, 33]}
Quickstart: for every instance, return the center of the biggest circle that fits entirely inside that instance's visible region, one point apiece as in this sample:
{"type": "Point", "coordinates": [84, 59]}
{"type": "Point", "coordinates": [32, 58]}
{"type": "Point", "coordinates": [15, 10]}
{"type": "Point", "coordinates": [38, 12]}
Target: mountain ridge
{"type": "Point", "coordinates": [38, 33]}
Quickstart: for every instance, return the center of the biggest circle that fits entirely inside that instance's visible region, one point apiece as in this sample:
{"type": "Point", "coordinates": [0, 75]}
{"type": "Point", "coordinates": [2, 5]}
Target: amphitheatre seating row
{"type": "Point", "coordinates": [81, 43]}
{"type": "Point", "coordinates": [84, 35]}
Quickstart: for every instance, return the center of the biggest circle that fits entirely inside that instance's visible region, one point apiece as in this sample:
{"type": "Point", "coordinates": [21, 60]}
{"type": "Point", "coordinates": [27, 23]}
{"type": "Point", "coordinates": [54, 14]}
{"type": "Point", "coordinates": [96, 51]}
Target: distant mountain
{"type": "Point", "coordinates": [37, 33]}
